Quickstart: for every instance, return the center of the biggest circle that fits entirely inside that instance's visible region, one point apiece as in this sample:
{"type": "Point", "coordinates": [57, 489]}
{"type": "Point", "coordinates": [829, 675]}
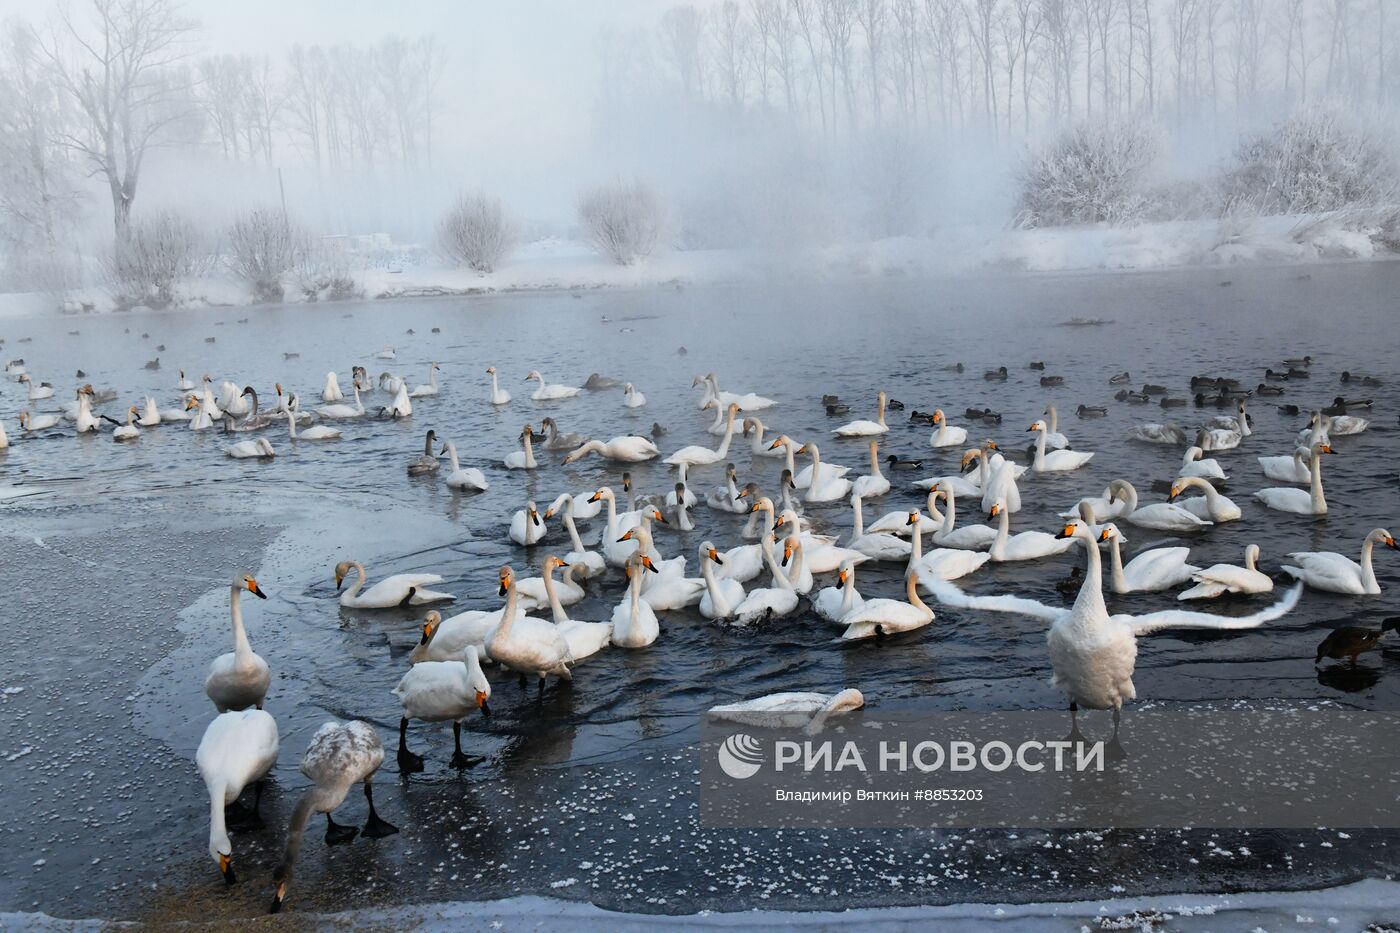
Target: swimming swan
{"type": "Point", "coordinates": [888, 616]}
{"type": "Point", "coordinates": [460, 477]}
{"type": "Point", "coordinates": [1149, 571]}
{"type": "Point", "coordinates": [499, 396]}
{"type": "Point", "coordinates": [547, 392]}
{"type": "Point", "coordinates": [833, 603]}
{"type": "Point", "coordinates": [634, 622]}
{"type": "Point", "coordinates": [1028, 545]}
{"type": "Point", "coordinates": [1219, 579]}
{"type": "Point", "coordinates": [864, 428]}
{"type": "Point", "coordinates": [1212, 505]}
{"type": "Point", "coordinates": [1056, 461]}
{"type": "Point", "coordinates": [787, 709]}
{"type": "Point", "coordinates": [401, 589]}
{"type": "Point", "coordinates": [1298, 501]}
{"type": "Point", "coordinates": [628, 448]}
{"type": "Point", "coordinates": [1330, 571]}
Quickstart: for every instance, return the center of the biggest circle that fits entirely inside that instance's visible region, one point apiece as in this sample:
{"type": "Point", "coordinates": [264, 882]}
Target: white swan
{"type": "Point", "coordinates": [1291, 469]}
{"type": "Point", "coordinates": [319, 432]}
{"type": "Point", "coordinates": [824, 487]}
{"type": "Point", "coordinates": [1219, 579]}
{"type": "Point", "coordinates": [627, 448]}
{"type": "Point", "coordinates": [534, 591]}
{"type": "Point", "coordinates": [128, 431]}
{"type": "Point", "coordinates": [875, 483]}
{"type": "Point", "coordinates": [1053, 438]}
{"type": "Point", "coordinates": [238, 749]}
{"type": "Point", "coordinates": [587, 563]}
{"type": "Point", "coordinates": [834, 603]}
{"type": "Point", "coordinates": [945, 535]}
{"type": "Point", "coordinates": [386, 354]}
{"type": "Point", "coordinates": [584, 639]}
{"type": "Point", "coordinates": [340, 755]}
{"type": "Point", "coordinates": [1212, 505]}
{"type": "Point", "coordinates": [331, 392]}
{"type": "Point", "coordinates": [547, 392]}
{"type": "Point", "coordinates": [32, 422]}
{"type": "Point", "coordinates": [342, 411]}
{"type": "Point", "coordinates": [184, 385]}
{"type": "Point", "coordinates": [499, 396]}
{"type": "Point", "coordinates": [753, 429]}
{"type": "Point", "coordinates": [775, 601]}
{"type": "Point", "coordinates": [525, 645]}
{"type": "Point", "coordinates": [722, 594]}
{"type": "Point", "coordinates": [876, 545]}
{"type": "Point", "coordinates": [945, 435]}
{"type": "Point", "coordinates": [631, 398]}
{"type": "Point", "coordinates": [1162, 516]}
{"type": "Point", "coordinates": [820, 553]}
{"type": "Point", "coordinates": [1344, 425]}
{"type": "Point", "coordinates": [1297, 501]}
{"type": "Point", "coordinates": [863, 428]}
{"type": "Point", "coordinates": [401, 406]}
{"type": "Point", "coordinates": [441, 691]}
{"type": "Point", "coordinates": [250, 450]}
{"type": "Point", "coordinates": [400, 589]}
{"type": "Point", "coordinates": [999, 481]}
{"type": "Point", "coordinates": [461, 477]}
{"type": "Point", "coordinates": [86, 420]}
{"type": "Point", "coordinates": [430, 387]}
{"type": "Point", "coordinates": [747, 401]}
{"type": "Point", "coordinates": [526, 526]}
{"type": "Point", "coordinates": [239, 679]}
{"type": "Point", "coordinates": [888, 616]}
{"type": "Point", "coordinates": [696, 455]}
{"type": "Point", "coordinates": [150, 413]}
{"type": "Point", "coordinates": [802, 479]}
{"type": "Point", "coordinates": [1330, 571]}
{"type": "Point", "coordinates": [941, 563]}
{"type": "Point", "coordinates": [446, 639]}
{"type": "Point", "coordinates": [1154, 433]}
{"type": "Point", "coordinates": [1194, 463]}
{"type": "Point", "coordinates": [4, 438]}
{"type": "Point", "coordinates": [616, 552]}
{"type": "Point", "coordinates": [1056, 461]}
{"type": "Point", "coordinates": [786, 709]}
{"type": "Point", "coordinates": [1028, 545]}
{"type": "Point", "coordinates": [1149, 571]}
{"type": "Point", "coordinates": [728, 498]}
{"type": "Point", "coordinates": [634, 622]}
{"type": "Point", "coordinates": [36, 392]}
{"type": "Point", "coordinates": [524, 458]}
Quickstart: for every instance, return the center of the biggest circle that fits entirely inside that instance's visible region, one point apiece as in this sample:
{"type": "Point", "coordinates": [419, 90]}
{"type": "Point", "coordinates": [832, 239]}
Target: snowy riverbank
{"type": "Point", "coordinates": [555, 264]}
{"type": "Point", "coordinates": [1369, 904]}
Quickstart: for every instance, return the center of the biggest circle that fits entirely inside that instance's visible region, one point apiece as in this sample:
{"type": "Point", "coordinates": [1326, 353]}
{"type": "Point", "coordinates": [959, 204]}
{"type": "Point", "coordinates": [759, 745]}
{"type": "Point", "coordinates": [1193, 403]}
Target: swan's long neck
{"type": "Point", "coordinates": [880, 417]}
{"type": "Point", "coordinates": [1368, 573]}
{"type": "Point", "coordinates": [719, 419]}
{"type": "Point", "coordinates": [612, 515]}
{"type": "Point", "coordinates": [495, 386]}
{"type": "Point", "coordinates": [875, 461]}
{"type": "Point", "coordinates": [1249, 562]}
{"type": "Point", "coordinates": [1120, 583]}
{"type": "Point", "coordinates": [1003, 530]}
{"type": "Point", "coordinates": [756, 445]}
{"type": "Point", "coordinates": [780, 580]}
{"type": "Point", "coordinates": [218, 829]}
{"type": "Point", "coordinates": [848, 593]}
{"type": "Point", "coordinates": [795, 572]}
{"type": "Point", "coordinates": [1319, 504]}
{"type": "Point", "coordinates": [359, 580]}
{"type": "Point", "coordinates": [242, 650]}
{"type": "Point", "coordinates": [707, 573]}
{"type": "Point", "coordinates": [508, 612]}
{"type": "Point", "coordinates": [1130, 498]}
{"type": "Point", "coordinates": [939, 519]}
{"type": "Point", "coordinates": [723, 449]}
{"type": "Point", "coordinates": [858, 508]}
{"type": "Point", "coordinates": [359, 405]}
{"type": "Point", "coordinates": [452, 456]}
{"type": "Point", "coordinates": [1054, 415]}
{"type": "Point", "coordinates": [791, 463]}
{"type": "Point", "coordinates": [911, 593]}
{"type": "Point", "coordinates": [292, 424]}
{"type": "Point", "coordinates": [636, 593]}
{"type": "Point", "coordinates": [984, 469]}
{"type": "Point", "coordinates": [1089, 603]}
{"type": "Point", "coordinates": [555, 607]}
{"type": "Point", "coordinates": [296, 832]}
{"type": "Point", "coordinates": [527, 445]}
{"type": "Point", "coordinates": [575, 541]}
{"type": "Point", "coordinates": [1040, 447]}
{"type": "Point", "coordinates": [916, 550]}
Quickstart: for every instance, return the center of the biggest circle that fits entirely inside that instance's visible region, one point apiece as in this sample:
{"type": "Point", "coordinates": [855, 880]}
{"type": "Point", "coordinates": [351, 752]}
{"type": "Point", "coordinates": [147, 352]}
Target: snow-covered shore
{"type": "Point", "coordinates": [554, 264]}
{"type": "Point", "coordinates": [1352, 907]}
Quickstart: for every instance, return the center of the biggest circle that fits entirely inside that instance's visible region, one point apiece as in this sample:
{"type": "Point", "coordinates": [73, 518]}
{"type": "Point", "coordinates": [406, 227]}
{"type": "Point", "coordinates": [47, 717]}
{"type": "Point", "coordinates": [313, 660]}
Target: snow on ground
{"type": "Point", "coordinates": [1370, 904]}
{"type": "Point", "coordinates": [555, 264]}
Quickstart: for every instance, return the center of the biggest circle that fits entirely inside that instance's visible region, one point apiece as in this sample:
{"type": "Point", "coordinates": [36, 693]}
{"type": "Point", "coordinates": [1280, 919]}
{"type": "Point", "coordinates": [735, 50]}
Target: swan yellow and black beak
{"type": "Point", "coordinates": [1067, 531]}
{"type": "Point", "coordinates": [506, 576]}
{"type": "Point", "coordinates": [482, 704]}
{"type": "Point", "coordinates": [779, 522]}
{"type": "Point", "coordinates": [277, 897]}
{"type": "Point", "coordinates": [255, 589]}
{"type": "Point", "coordinates": [226, 869]}
{"type": "Point", "coordinates": [841, 577]}
{"type": "Point", "coordinates": [1390, 541]}
{"type": "Point", "coordinates": [996, 510]}
{"type": "Point", "coordinates": [1105, 534]}
{"type": "Point", "coordinates": [777, 442]}
{"type": "Point", "coordinates": [646, 562]}
{"type": "Point", "coordinates": [788, 547]}
{"type": "Point", "coordinates": [596, 496]}
{"type": "Point", "coordinates": [1176, 491]}
{"type": "Point", "coordinates": [913, 518]}
{"type": "Point", "coordinates": [430, 627]}
{"type": "Point", "coordinates": [714, 556]}
{"type": "Point", "coordinates": [627, 535]}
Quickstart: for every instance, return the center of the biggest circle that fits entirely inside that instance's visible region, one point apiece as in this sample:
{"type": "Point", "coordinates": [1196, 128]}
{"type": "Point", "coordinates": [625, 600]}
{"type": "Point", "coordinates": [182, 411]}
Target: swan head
{"type": "Point", "coordinates": [507, 578]}
{"type": "Point", "coordinates": [969, 458]}
{"type": "Point", "coordinates": [490, 370]}
{"type": "Point", "coordinates": [708, 552]}
{"type": "Point", "coordinates": [938, 416]}
{"type": "Point", "coordinates": [24, 420]}
{"type": "Point", "coordinates": [341, 569]}
{"type": "Point", "coordinates": [534, 374]}
{"type": "Point", "coordinates": [602, 493]}
{"type": "Point", "coordinates": [245, 581]}
{"type": "Point", "coordinates": [786, 480]}
{"type": "Point", "coordinates": [1036, 426]}
{"type": "Point", "coordinates": [791, 546]}
{"type": "Point", "coordinates": [845, 572]}
{"type": "Point", "coordinates": [1073, 530]}
{"type": "Point", "coordinates": [1384, 537]}
{"type": "Point", "coordinates": [779, 441]}
{"type": "Point", "coordinates": [431, 621]}
{"type": "Point", "coordinates": [997, 508]}
{"type": "Point", "coordinates": [552, 563]}
{"type": "Point", "coordinates": [1108, 531]}
{"type": "Point", "coordinates": [221, 850]}
{"type": "Point", "coordinates": [533, 511]}
{"type": "Point", "coordinates": [913, 517]}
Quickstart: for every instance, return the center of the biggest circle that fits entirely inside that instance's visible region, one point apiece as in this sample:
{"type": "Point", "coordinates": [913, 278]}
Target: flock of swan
{"type": "Point", "coordinates": [767, 576]}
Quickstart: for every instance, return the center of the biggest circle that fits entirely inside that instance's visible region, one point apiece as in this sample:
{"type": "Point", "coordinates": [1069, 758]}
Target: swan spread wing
{"type": "Point", "coordinates": [1180, 618]}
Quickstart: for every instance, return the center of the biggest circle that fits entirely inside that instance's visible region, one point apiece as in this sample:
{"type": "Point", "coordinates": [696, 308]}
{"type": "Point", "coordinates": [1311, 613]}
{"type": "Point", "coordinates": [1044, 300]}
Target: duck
{"type": "Point", "coordinates": [1265, 388]}
{"type": "Point", "coordinates": [634, 622]}
{"type": "Point", "coordinates": [498, 395]}
{"type": "Point", "coordinates": [877, 545]}
{"type": "Point", "coordinates": [524, 644]}
{"type": "Point", "coordinates": [722, 594]}
{"type": "Point", "coordinates": [1219, 579]}
{"type": "Point", "coordinates": [550, 393]}
{"type": "Point", "coordinates": [1166, 402]}
{"type": "Point", "coordinates": [128, 431]}
{"type": "Point", "coordinates": [786, 710]}
{"type": "Point", "coordinates": [1154, 433]}
{"type": "Point", "coordinates": [250, 450]}
{"type": "Point", "coordinates": [430, 387]}
{"type": "Point", "coordinates": [1149, 571]}
{"type": "Point", "coordinates": [895, 462]}
{"type": "Point", "coordinates": [1161, 516]}
{"type": "Point", "coordinates": [1334, 573]}
{"type": "Point", "coordinates": [945, 535]}
{"type": "Point", "coordinates": [945, 435]}
{"type": "Point", "coordinates": [400, 589]}
{"type": "Point", "coordinates": [586, 563]}
{"type": "Point", "coordinates": [1128, 395]}
{"type": "Point", "coordinates": [1349, 377]}
{"type": "Point", "coordinates": [319, 432]}
{"type": "Point", "coordinates": [1027, 545]}
{"type": "Point", "coordinates": [629, 448]}
{"type": "Point", "coordinates": [1056, 461]}
{"type": "Point", "coordinates": [459, 477]}
{"type": "Point", "coordinates": [1349, 641]}
{"type": "Point", "coordinates": [341, 755]}
{"type": "Point", "coordinates": [878, 617]}
{"type": "Point", "coordinates": [631, 398]}
{"type": "Point", "coordinates": [834, 603]}
{"type": "Point", "coordinates": [239, 748]}
{"type": "Point", "coordinates": [875, 484]}
{"type": "Point", "coordinates": [753, 429]}
{"type": "Point", "coordinates": [862, 428]}
{"type": "Point", "coordinates": [1051, 382]}
{"type": "Point", "coordinates": [524, 458]}
{"type": "Point", "coordinates": [1119, 378]}
{"type": "Point", "coordinates": [696, 455]}
{"type": "Point", "coordinates": [778, 600]}
{"type": "Point", "coordinates": [343, 411]}
{"type": "Point", "coordinates": [239, 679]}
{"type": "Point", "coordinates": [1195, 463]}
{"type": "Point", "coordinates": [1213, 506]}
{"type": "Point", "coordinates": [526, 526]}
{"type": "Point", "coordinates": [441, 691]}
{"type": "Point", "coordinates": [425, 463]}
{"type": "Point", "coordinates": [837, 408]}
{"type": "Point", "coordinates": [1091, 411]}
{"type": "Point", "coordinates": [1297, 501]}
{"type": "Point", "coordinates": [995, 375]}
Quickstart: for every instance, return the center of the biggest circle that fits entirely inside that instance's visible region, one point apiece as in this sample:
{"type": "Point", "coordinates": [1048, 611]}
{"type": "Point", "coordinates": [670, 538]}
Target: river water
{"type": "Point", "coordinates": [116, 559]}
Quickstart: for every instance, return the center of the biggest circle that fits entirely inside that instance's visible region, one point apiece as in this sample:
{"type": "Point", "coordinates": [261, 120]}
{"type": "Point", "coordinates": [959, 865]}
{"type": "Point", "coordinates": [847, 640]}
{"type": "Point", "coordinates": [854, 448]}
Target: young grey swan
{"type": "Point", "coordinates": [239, 679]}
{"type": "Point", "coordinates": [425, 463]}
{"type": "Point", "coordinates": [339, 756]}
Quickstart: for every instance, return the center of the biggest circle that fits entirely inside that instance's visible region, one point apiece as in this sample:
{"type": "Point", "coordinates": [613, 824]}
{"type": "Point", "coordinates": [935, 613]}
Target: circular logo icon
{"type": "Point", "coordinates": [740, 756]}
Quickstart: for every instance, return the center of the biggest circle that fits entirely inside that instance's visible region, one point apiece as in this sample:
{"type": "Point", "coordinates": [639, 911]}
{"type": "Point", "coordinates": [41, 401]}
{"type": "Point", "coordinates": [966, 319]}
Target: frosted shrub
{"type": "Point", "coordinates": [1317, 160]}
{"type": "Point", "coordinates": [322, 273]}
{"type": "Point", "coordinates": [262, 248]}
{"type": "Point", "coordinates": [1091, 173]}
{"type": "Point", "coordinates": [476, 233]}
{"type": "Point", "coordinates": [154, 256]}
{"type": "Point", "coordinates": [624, 220]}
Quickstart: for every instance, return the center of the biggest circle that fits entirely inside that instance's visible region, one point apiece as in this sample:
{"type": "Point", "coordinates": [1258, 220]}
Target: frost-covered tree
{"type": "Point", "coordinates": [1316, 160]}
{"type": "Point", "coordinates": [1099, 171]}
{"type": "Point", "coordinates": [263, 247]}
{"type": "Point", "coordinates": [155, 256]}
{"type": "Point", "coordinates": [624, 220]}
{"type": "Point", "coordinates": [476, 232]}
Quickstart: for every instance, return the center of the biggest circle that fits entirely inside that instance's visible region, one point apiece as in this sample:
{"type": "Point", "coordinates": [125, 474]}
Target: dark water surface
{"type": "Point", "coordinates": [115, 600]}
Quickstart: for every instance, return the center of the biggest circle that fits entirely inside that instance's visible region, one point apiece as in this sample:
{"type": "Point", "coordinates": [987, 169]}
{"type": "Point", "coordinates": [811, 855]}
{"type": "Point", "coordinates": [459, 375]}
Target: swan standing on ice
{"type": "Point", "coordinates": [1218, 579]}
{"type": "Point", "coordinates": [401, 589]}
{"type": "Point", "coordinates": [865, 428]}
{"type": "Point", "coordinates": [549, 393]}
{"type": "Point", "coordinates": [526, 645]}
{"type": "Point", "coordinates": [1330, 571]}
{"type": "Point", "coordinates": [439, 691]}
{"type": "Point", "coordinates": [1149, 571]}
{"type": "Point", "coordinates": [239, 679]}
{"type": "Point", "coordinates": [499, 396]}
{"type": "Point", "coordinates": [340, 755]}
{"type": "Point", "coordinates": [238, 749]}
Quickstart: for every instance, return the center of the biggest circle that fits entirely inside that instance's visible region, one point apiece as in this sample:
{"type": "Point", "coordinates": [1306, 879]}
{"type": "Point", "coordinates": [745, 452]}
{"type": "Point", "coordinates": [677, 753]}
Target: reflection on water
{"type": "Point", "coordinates": [582, 757]}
